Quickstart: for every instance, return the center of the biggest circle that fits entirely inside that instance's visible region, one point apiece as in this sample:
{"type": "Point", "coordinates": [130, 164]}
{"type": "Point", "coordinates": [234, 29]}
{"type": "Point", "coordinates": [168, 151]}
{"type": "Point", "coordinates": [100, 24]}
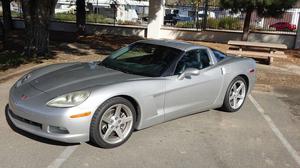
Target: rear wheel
{"type": "Point", "coordinates": [113, 123]}
{"type": "Point", "coordinates": [235, 95]}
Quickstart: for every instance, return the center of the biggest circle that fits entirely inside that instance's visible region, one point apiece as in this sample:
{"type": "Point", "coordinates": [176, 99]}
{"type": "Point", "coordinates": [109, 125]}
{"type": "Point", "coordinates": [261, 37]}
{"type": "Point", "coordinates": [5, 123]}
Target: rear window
{"type": "Point", "coordinates": [219, 55]}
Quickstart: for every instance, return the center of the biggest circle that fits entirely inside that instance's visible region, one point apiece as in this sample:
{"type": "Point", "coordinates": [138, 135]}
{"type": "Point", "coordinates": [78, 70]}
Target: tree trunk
{"type": "Point", "coordinates": [7, 21]}
{"type": "Point", "coordinates": [80, 16]}
{"type": "Point", "coordinates": [204, 23]}
{"type": "Point", "coordinates": [197, 15]}
{"type": "Point", "coordinates": [37, 15]}
{"type": "Point", "coordinates": [246, 29]}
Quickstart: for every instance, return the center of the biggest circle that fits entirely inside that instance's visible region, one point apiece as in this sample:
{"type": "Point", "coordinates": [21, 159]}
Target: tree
{"type": "Point", "coordinates": [37, 15]}
{"type": "Point", "coordinates": [204, 22]}
{"type": "Point", "coordinates": [80, 16]}
{"type": "Point", "coordinates": [7, 20]}
{"type": "Point", "coordinates": [196, 4]}
{"type": "Point", "coordinates": [264, 8]}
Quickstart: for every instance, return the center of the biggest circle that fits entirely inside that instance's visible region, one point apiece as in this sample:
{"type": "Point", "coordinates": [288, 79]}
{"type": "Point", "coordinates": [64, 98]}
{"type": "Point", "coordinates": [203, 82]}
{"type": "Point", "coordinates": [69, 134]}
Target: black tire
{"type": "Point", "coordinates": [226, 104]}
{"type": "Point", "coordinates": [95, 137]}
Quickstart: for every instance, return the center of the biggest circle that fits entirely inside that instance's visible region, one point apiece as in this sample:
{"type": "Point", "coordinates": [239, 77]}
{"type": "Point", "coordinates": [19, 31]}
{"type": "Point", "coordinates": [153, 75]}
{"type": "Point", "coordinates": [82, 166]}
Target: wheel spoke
{"type": "Point", "coordinates": [240, 87]}
{"type": "Point", "coordinates": [126, 120]}
{"type": "Point", "coordinates": [108, 132]}
{"type": "Point", "coordinates": [119, 133]}
{"type": "Point", "coordinates": [118, 110]}
{"type": "Point", "coordinates": [240, 96]}
{"type": "Point", "coordinates": [107, 120]}
{"type": "Point", "coordinates": [234, 102]}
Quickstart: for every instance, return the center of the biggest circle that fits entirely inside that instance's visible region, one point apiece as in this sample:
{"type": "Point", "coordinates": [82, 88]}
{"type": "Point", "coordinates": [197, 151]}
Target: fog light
{"type": "Point", "coordinates": [58, 130]}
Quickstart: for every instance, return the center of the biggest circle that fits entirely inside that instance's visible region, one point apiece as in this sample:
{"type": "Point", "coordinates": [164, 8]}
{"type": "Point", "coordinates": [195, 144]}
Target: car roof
{"type": "Point", "coordinates": [184, 46]}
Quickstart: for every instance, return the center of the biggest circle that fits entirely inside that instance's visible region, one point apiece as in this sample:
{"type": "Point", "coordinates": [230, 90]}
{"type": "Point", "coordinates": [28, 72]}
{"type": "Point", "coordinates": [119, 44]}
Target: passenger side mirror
{"type": "Point", "coordinates": [188, 73]}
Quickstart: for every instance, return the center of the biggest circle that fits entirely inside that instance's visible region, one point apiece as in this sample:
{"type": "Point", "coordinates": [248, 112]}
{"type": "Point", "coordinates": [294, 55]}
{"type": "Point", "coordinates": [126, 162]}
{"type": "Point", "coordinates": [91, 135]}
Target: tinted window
{"type": "Point", "coordinates": [143, 59]}
{"type": "Point", "coordinates": [193, 59]}
{"type": "Point", "coordinates": [219, 55]}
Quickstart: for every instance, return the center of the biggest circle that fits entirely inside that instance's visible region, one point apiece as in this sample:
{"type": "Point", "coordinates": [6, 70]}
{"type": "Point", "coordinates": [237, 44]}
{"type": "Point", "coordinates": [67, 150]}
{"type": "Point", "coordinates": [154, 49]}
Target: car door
{"type": "Point", "coordinates": [194, 94]}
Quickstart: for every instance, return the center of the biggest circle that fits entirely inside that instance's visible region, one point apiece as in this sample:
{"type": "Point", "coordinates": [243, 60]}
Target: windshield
{"type": "Point", "coordinates": [142, 59]}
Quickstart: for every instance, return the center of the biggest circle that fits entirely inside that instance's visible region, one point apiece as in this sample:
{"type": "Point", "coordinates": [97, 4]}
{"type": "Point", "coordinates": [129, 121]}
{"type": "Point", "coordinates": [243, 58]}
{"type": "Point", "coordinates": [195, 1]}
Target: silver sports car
{"type": "Point", "coordinates": [138, 86]}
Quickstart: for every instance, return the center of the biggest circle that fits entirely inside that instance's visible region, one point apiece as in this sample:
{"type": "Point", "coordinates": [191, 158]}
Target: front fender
{"type": "Point", "coordinates": [148, 94]}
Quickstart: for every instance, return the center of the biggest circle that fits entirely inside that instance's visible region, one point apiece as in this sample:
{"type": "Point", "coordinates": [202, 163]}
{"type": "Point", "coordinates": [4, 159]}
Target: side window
{"type": "Point", "coordinates": [193, 59]}
{"type": "Point", "coordinates": [219, 55]}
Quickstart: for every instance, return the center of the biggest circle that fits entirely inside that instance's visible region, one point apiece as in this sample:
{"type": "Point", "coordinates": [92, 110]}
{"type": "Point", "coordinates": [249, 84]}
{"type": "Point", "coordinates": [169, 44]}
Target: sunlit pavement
{"type": "Point", "coordinates": [208, 139]}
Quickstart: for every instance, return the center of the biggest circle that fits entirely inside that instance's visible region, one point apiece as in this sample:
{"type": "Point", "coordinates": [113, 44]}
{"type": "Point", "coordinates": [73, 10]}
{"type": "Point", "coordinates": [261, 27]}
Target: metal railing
{"type": "Point", "coordinates": [224, 20]}
{"type": "Point", "coordinates": [175, 16]}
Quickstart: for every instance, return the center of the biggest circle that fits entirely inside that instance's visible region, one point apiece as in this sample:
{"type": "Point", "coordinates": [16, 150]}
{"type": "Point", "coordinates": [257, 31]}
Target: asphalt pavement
{"type": "Point", "coordinates": [263, 134]}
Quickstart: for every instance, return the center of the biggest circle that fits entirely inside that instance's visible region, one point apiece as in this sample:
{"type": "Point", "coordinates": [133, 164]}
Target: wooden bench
{"type": "Point", "coordinates": [257, 50]}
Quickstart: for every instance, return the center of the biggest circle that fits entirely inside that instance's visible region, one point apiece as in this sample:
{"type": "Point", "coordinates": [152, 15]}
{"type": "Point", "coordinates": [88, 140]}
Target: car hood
{"type": "Point", "coordinates": [73, 77]}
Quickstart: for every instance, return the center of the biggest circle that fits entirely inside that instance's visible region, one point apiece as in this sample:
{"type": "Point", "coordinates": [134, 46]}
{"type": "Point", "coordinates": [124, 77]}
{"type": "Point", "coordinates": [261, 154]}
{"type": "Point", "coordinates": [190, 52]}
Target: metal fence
{"type": "Point", "coordinates": [134, 12]}
{"type": "Point", "coordinates": [185, 17]}
{"type": "Point", "coordinates": [105, 11]}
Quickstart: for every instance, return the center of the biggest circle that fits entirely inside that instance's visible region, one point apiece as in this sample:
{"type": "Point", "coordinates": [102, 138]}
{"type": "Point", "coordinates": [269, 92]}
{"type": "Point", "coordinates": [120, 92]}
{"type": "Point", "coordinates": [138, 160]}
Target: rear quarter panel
{"type": "Point", "coordinates": [233, 67]}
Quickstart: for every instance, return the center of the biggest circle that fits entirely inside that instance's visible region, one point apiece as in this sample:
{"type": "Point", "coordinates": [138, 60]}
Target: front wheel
{"type": "Point", "coordinates": [113, 123]}
{"type": "Point", "coordinates": [235, 95]}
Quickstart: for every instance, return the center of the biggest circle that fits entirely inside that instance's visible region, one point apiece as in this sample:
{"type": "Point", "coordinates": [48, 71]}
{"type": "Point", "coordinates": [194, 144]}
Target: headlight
{"type": "Point", "coordinates": [70, 99]}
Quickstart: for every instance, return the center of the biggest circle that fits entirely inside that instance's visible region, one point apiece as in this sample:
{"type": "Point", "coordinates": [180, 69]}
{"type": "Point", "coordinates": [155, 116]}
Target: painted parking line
{"type": "Point", "coordinates": [276, 131]}
{"type": "Point", "coordinates": [57, 163]}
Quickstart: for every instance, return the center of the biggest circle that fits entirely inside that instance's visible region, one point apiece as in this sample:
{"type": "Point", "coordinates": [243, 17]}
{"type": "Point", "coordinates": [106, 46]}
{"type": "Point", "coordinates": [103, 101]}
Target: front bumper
{"type": "Point", "coordinates": [43, 124]}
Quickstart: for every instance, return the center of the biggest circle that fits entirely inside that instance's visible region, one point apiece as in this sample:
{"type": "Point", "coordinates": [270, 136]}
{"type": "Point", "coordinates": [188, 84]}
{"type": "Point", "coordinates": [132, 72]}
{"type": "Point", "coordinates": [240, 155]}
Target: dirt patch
{"type": "Point", "coordinates": [217, 46]}
{"type": "Point", "coordinates": [81, 49]}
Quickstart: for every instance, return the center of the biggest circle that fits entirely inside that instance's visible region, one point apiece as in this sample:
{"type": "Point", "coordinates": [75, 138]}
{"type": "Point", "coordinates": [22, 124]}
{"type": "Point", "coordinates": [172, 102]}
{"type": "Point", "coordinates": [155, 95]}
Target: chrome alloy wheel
{"type": "Point", "coordinates": [116, 123]}
{"type": "Point", "coordinates": [237, 94]}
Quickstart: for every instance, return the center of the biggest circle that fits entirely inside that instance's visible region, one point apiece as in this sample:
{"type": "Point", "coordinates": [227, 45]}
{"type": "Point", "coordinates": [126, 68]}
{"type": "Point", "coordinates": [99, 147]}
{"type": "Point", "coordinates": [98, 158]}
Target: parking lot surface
{"type": "Point", "coordinates": [262, 134]}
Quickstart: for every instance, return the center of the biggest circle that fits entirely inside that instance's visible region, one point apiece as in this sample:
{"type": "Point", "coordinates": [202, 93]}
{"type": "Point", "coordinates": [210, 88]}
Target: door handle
{"type": "Point", "coordinates": [223, 71]}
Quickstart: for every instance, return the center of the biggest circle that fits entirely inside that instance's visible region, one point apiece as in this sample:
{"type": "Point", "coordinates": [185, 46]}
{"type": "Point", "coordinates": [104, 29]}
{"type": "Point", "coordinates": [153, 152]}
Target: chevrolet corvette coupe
{"type": "Point", "coordinates": [138, 86]}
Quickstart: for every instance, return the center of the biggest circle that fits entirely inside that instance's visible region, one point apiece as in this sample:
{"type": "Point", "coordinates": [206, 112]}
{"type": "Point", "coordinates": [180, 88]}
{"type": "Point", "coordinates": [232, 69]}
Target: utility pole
{"type": "Point", "coordinates": [204, 22]}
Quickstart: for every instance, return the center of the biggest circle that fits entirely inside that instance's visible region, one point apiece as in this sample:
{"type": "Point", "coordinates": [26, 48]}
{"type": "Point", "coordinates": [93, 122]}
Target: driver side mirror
{"type": "Point", "coordinates": [188, 73]}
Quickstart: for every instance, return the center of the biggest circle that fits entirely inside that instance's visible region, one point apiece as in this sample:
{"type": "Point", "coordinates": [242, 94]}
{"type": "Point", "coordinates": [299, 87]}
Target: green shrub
{"type": "Point", "coordinates": [127, 22]}
{"type": "Point", "coordinates": [65, 17]}
{"type": "Point", "coordinates": [96, 18]}
{"type": "Point", "coordinates": [213, 23]}
{"type": "Point", "coordinates": [15, 14]}
{"type": "Point", "coordinates": [92, 18]}
{"type": "Point", "coordinates": [185, 24]}
{"type": "Point", "coordinates": [10, 59]}
{"type": "Point", "coordinates": [230, 23]}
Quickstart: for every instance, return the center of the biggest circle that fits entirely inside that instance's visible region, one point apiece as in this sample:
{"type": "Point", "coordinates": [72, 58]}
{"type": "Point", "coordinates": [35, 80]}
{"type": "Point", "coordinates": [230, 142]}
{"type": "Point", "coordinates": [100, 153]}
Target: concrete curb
{"type": "Point", "coordinates": [11, 75]}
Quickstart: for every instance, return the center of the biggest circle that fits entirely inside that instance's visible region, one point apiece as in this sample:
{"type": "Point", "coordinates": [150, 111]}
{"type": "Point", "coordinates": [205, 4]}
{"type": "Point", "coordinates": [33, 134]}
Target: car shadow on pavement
{"type": "Point", "coordinates": [32, 136]}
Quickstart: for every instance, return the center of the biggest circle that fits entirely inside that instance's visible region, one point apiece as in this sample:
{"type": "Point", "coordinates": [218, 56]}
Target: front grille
{"type": "Point", "coordinates": [25, 120]}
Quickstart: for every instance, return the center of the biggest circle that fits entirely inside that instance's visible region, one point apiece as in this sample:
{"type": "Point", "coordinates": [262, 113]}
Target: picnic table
{"type": "Point", "coordinates": [257, 50]}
